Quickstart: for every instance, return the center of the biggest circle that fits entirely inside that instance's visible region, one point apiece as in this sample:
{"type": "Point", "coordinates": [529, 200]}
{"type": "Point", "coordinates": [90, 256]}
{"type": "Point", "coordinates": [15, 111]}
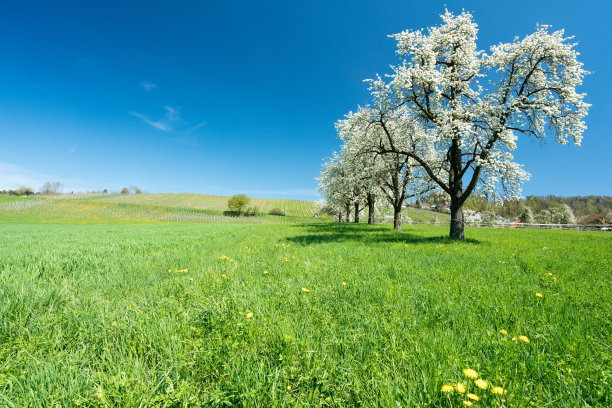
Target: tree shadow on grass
{"type": "Point", "coordinates": [347, 232]}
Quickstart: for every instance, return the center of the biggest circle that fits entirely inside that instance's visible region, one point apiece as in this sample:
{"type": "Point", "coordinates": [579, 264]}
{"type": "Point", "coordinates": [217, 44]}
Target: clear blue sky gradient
{"type": "Point", "coordinates": [242, 96]}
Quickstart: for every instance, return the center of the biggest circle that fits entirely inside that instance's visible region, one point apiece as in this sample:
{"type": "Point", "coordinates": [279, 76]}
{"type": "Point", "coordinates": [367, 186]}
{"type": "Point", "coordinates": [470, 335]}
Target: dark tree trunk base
{"type": "Point", "coordinates": [457, 225]}
{"type": "Point", "coordinates": [397, 218]}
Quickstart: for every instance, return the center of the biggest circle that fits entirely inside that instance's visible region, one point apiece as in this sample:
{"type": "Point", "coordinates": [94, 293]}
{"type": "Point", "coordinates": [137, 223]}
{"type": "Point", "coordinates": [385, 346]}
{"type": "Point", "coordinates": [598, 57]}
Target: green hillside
{"type": "Point", "coordinates": [168, 208]}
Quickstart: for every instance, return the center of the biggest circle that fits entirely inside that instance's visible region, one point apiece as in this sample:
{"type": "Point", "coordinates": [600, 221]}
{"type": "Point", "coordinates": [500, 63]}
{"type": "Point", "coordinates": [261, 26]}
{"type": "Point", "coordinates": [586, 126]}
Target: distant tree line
{"type": "Point", "coordinates": [56, 187]}
{"type": "Point", "coordinates": [548, 209]}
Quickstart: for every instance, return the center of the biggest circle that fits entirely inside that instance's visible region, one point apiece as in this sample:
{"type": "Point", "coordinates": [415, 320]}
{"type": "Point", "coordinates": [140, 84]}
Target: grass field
{"type": "Point", "coordinates": [318, 315]}
{"type": "Point", "coordinates": [147, 208]}
{"type": "Point", "coordinates": [167, 208]}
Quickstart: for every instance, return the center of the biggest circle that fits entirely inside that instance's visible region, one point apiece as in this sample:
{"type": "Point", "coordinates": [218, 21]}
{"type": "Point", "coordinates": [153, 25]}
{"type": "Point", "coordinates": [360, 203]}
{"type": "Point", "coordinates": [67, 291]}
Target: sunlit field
{"type": "Point", "coordinates": [325, 315]}
{"type": "Point", "coordinates": [170, 208]}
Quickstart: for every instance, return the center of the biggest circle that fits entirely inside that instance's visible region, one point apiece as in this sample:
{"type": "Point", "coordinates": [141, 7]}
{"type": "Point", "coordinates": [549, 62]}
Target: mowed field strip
{"type": "Point", "coordinates": [318, 315]}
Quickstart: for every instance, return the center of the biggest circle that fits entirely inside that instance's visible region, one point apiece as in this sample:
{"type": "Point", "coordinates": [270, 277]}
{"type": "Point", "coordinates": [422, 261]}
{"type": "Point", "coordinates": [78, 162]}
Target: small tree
{"type": "Point", "coordinates": [125, 190]}
{"type": "Point", "coordinates": [238, 203]}
{"type": "Point", "coordinates": [527, 216]}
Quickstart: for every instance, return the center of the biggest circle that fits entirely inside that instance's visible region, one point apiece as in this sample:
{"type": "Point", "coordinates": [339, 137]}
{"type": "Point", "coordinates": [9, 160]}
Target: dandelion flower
{"type": "Point", "coordinates": [470, 373]}
{"type": "Point", "coordinates": [482, 384]}
{"type": "Point", "coordinates": [460, 388]}
{"type": "Point", "coordinates": [447, 388]}
{"type": "Point", "coordinates": [224, 276]}
{"type": "Point", "coordinates": [191, 279]}
{"type": "Point", "coordinates": [538, 294]}
{"type": "Point", "coordinates": [498, 390]}
{"type": "Point", "coordinates": [249, 315]}
{"type": "Point", "coordinates": [473, 397]}
{"type": "Point", "coordinates": [305, 290]}
{"type": "Point", "coordinates": [468, 403]}
{"type": "Point", "coordinates": [549, 274]}
{"type": "Point", "coordinates": [514, 339]}
{"type": "Point", "coordinates": [554, 278]}
{"type": "Point", "coordinates": [343, 283]}
{"type": "Point", "coordinates": [503, 331]}
{"type": "Point", "coordinates": [524, 339]}
{"type": "Point", "coordinates": [265, 272]}
{"type": "Point", "coordinates": [288, 388]}
{"type": "Point", "coordinates": [99, 395]}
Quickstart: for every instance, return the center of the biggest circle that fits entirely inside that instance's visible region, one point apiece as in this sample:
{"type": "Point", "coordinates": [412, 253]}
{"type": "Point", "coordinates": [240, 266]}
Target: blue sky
{"type": "Point", "coordinates": [241, 97]}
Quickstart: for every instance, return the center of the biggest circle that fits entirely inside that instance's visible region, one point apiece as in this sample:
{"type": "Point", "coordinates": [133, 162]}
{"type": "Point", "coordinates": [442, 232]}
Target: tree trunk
{"type": "Point", "coordinates": [456, 226]}
{"type": "Point", "coordinates": [371, 200]}
{"type": "Point", "coordinates": [348, 212]}
{"type": "Point", "coordinates": [339, 217]}
{"type": "Point", "coordinates": [357, 212]}
{"type": "Point", "coordinates": [455, 184]}
{"type": "Point", "coordinates": [397, 217]}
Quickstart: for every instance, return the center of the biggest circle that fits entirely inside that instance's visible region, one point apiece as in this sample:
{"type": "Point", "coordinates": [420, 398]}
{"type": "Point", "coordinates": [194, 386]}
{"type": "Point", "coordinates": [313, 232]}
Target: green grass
{"type": "Point", "coordinates": [90, 315]}
{"type": "Point", "coordinates": [167, 208]}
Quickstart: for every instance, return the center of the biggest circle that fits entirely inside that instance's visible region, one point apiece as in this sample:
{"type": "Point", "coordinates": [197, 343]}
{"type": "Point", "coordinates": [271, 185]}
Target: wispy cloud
{"type": "Point", "coordinates": [196, 127]}
{"type": "Point", "coordinates": [160, 124]}
{"type": "Point", "coordinates": [172, 113]}
{"type": "Point", "coordinates": [13, 176]}
{"type": "Point", "coordinates": [187, 138]}
{"type": "Point", "coordinates": [71, 150]}
{"type": "Point", "coordinates": [148, 86]}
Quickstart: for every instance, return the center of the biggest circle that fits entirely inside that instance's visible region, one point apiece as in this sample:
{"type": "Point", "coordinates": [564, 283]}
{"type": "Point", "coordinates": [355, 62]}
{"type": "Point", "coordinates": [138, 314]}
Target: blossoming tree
{"type": "Point", "coordinates": [472, 105]}
{"type": "Point", "coordinates": [390, 174]}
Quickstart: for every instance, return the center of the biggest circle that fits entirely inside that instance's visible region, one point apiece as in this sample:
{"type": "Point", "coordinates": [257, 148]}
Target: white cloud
{"type": "Point", "coordinates": [13, 176]}
{"type": "Point", "coordinates": [172, 113]}
{"type": "Point", "coordinates": [160, 124]}
{"type": "Point", "coordinates": [148, 86]}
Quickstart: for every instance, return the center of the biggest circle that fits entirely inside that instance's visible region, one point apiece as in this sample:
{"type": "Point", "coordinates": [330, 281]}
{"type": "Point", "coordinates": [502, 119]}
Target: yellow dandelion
{"type": "Point", "coordinates": [524, 339]}
{"type": "Point", "coordinates": [100, 395]}
{"type": "Point", "coordinates": [224, 276]}
{"type": "Point", "coordinates": [538, 294]}
{"type": "Point", "coordinates": [169, 270]}
{"type": "Point", "coordinates": [343, 283]}
{"type": "Point", "coordinates": [249, 315]}
{"type": "Point", "coordinates": [460, 388]}
{"type": "Point", "coordinates": [191, 279]}
{"type": "Point", "coordinates": [473, 397]}
{"type": "Point", "coordinates": [482, 384]}
{"type": "Point", "coordinates": [265, 272]}
{"type": "Point", "coordinates": [305, 290]}
{"type": "Point", "coordinates": [447, 388]}
{"type": "Point", "coordinates": [468, 403]}
{"type": "Point", "coordinates": [549, 274]}
{"type": "Point", "coordinates": [498, 390]}
{"type": "Point", "coordinates": [288, 388]}
{"type": "Point", "coordinates": [470, 373]}
{"type": "Point", "coordinates": [503, 331]}
{"type": "Point", "coordinates": [554, 278]}
{"type": "Point", "coordinates": [514, 339]}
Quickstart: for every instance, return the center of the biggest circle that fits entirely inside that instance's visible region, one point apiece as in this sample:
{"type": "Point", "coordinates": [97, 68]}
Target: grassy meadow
{"type": "Point", "coordinates": [147, 208]}
{"type": "Point", "coordinates": [306, 315]}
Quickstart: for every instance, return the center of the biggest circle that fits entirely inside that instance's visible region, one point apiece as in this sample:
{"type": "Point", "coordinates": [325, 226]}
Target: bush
{"type": "Point", "coordinates": [277, 211]}
{"type": "Point", "coordinates": [251, 211]}
{"type": "Point", "coordinates": [125, 190]}
{"type": "Point", "coordinates": [238, 203]}
{"type": "Point", "coordinates": [527, 216]}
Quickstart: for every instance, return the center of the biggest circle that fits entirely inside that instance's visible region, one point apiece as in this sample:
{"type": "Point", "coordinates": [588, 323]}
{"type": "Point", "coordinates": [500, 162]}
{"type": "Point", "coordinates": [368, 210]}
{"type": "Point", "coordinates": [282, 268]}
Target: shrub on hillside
{"type": "Point", "coordinates": [238, 203]}
{"type": "Point", "coordinates": [276, 211]}
{"type": "Point", "coordinates": [251, 211]}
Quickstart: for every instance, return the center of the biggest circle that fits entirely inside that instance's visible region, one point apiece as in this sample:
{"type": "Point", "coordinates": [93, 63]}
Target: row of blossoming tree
{"type": "Point", "coordinates": [448, 118]}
